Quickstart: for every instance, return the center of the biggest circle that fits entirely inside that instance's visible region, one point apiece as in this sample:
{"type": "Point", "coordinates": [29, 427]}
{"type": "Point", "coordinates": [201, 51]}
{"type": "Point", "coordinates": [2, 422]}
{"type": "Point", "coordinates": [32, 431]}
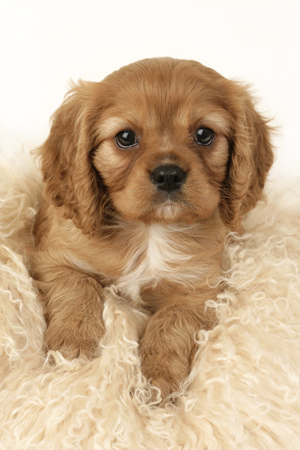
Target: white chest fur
{"type": "Point", "coordinates": [163, 255]}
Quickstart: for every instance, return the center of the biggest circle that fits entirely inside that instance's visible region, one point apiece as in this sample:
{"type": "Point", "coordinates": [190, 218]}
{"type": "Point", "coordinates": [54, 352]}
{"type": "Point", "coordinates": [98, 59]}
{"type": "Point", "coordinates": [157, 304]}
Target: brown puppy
{"type": "Point", "coordinates": [144, 173]}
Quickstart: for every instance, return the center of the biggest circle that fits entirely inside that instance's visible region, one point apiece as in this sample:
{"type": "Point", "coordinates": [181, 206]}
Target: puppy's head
{"type": "Point", "coordinates": [160, 140]}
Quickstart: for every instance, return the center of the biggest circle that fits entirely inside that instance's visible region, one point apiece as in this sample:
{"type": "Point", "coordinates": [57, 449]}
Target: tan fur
{"type": "Point", "coordinates": [102, 220]}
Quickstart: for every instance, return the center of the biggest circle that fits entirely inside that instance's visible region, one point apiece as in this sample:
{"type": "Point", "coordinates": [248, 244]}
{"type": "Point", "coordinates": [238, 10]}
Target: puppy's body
{"type": "Point", "coordinates": [136, 256]}
{"type": "Point", "coordinates": [143, 174]}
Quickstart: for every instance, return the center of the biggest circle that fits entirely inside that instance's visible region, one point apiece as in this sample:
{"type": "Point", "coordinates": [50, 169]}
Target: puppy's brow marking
{"type": "Point", "coordinates": [110, 127]}
{"type": "Point", "coordinates": [217, 121]}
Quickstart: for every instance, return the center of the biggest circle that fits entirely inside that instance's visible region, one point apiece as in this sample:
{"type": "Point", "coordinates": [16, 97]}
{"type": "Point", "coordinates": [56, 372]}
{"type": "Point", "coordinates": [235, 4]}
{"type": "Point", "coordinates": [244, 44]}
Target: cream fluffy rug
{"type": "Point", "coordinates": [244, 386]}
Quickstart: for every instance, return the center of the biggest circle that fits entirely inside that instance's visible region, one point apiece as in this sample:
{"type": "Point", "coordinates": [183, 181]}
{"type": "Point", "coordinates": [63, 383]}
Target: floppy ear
{"type": "Point", "coordinates": [250, 160]}
{"type": "Point", "coordinates": [71, 182]}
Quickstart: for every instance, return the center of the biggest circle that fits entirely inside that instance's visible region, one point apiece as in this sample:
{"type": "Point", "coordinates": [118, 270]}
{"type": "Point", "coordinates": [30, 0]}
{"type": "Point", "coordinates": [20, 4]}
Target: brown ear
{"type": "Point", "coordinates": [71, 182]}
{"type": "Point", "coordinates": [250, 160]}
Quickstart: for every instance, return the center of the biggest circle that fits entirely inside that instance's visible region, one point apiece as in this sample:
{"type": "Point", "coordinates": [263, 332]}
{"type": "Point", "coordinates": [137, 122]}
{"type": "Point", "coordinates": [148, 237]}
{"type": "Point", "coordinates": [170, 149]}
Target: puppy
{"type": "Point", "coordinates": [145, 173]}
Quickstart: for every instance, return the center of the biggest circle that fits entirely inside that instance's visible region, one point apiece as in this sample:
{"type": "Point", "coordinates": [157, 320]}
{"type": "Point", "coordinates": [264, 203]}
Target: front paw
{"type": "Point", "coordinates": [75, 339]}
{"type": "Point", "coordinates": [165, 369]}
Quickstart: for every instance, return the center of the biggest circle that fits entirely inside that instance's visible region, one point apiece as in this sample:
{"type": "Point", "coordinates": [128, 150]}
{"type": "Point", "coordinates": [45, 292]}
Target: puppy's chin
{"type": "Point", "coordinates": [170, 213]}
{"type": "Point", "coordinates": [165, 213]}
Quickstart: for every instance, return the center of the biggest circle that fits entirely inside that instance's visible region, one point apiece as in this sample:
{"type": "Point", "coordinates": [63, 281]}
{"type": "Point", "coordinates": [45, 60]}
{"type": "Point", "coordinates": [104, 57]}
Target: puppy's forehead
{"type": "Point", "coordinates": [162, 93]}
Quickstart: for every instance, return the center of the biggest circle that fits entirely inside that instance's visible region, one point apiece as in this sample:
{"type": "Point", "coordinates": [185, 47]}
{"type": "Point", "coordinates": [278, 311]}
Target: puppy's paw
{"type": "Point", "coordinates": [75, 340]}
{"type": "Point", "coordinates": [165, 370]}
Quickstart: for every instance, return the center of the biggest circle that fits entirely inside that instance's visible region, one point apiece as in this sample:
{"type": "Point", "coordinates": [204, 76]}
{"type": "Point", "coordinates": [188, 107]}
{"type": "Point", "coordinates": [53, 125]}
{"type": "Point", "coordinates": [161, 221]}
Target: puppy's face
{"type": "Point", "coordinates": [164, 146]}
{"type": "Point", "coordinates": [160, 140]}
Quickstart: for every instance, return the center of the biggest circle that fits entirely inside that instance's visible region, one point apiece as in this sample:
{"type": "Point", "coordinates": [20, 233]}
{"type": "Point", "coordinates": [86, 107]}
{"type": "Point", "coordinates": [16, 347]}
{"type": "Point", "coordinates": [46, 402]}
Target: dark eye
{"type": "Point", "coordinates": [126, 139]}
{"type": "Point", "coordinates": [204, 136]}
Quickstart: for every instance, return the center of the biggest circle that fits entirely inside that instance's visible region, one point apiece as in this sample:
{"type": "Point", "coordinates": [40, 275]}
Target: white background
{"type": "Point", "coordinates": [46, 43]}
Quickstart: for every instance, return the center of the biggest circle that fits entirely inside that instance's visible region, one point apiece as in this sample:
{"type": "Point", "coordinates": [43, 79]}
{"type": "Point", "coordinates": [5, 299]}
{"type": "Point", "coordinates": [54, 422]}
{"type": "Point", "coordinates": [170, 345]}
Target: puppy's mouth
{"type": "Point", "coordinates": [170, 208]}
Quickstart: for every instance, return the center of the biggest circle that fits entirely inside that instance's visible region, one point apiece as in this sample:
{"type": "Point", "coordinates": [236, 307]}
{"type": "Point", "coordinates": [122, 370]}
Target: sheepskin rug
{"type": "Point", "coordinates": [243, 390]}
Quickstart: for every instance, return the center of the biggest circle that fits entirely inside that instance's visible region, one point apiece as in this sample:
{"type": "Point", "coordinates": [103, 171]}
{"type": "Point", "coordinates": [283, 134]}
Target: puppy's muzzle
{"type": "Point", "coordinates": [168, 177]}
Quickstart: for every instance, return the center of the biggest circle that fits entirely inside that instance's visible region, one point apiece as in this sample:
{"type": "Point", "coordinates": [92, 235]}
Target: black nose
{"type": "Point", "coordinates": [168, 177]}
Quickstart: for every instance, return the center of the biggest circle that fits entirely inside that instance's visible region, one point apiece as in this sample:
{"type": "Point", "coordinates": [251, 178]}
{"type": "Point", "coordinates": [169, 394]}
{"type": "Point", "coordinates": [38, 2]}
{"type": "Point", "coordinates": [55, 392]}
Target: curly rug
{"type": "Point", "coordinates": [243, 390]}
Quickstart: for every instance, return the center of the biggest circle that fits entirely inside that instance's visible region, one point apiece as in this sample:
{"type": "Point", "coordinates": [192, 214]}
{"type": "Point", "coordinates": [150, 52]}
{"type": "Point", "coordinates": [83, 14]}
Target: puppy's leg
{"type": "Point", "coordinates": [168, 345]}
{"type": "Point", "coordinates": [73, 310]}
